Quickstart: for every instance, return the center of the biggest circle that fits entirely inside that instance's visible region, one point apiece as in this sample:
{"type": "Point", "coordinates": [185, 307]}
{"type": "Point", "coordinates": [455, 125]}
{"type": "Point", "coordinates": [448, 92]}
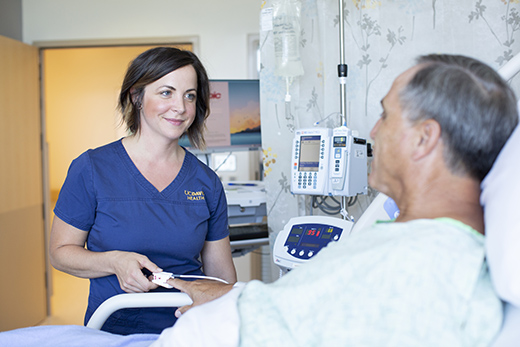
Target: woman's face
{"type": "Point", "coordinates": [169, 104]}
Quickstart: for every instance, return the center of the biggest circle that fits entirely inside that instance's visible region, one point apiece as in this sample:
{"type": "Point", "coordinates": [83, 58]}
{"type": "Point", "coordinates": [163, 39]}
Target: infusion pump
{"type": "Point", "coordinates": [328, 162]}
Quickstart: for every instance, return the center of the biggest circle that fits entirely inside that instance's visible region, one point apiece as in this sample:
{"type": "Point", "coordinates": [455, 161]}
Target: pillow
{"type": "Point", "coordinates": [501, 200]}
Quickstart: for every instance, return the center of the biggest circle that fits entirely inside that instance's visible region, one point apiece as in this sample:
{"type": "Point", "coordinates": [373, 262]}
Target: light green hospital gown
{"type": "Point", "coordinates": [420, 283]}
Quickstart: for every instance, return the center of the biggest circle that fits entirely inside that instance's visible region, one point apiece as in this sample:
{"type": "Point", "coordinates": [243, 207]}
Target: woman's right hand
{"type": "Point", "coordinates": [128, 267]}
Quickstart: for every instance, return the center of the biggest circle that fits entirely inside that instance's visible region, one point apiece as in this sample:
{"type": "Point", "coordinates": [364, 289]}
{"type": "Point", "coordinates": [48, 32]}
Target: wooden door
{"type": "Point", "coordinates": [23, 293]}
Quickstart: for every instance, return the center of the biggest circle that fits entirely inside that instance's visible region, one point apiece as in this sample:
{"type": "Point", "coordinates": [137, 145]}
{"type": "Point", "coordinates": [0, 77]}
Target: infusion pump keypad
{"type": "Point", "coordinates": [309, 179]}
{"type": "Point", "coordinates": [305, 240]}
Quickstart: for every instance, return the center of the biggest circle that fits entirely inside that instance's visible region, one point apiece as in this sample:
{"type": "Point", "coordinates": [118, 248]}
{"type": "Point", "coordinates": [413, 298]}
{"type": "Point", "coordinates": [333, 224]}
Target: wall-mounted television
{"type": "Point", "coordinates": [234, 120]}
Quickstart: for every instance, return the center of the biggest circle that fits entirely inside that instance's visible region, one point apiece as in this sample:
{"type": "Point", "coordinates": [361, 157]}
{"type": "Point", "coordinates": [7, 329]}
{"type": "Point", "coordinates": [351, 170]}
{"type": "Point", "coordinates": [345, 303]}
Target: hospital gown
{"type": "Point", "coordinates": [420, 283]}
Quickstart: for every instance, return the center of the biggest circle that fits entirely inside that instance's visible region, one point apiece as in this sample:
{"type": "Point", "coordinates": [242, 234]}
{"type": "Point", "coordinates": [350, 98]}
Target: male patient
{"type": "Point", "coordinates": [421, 280]}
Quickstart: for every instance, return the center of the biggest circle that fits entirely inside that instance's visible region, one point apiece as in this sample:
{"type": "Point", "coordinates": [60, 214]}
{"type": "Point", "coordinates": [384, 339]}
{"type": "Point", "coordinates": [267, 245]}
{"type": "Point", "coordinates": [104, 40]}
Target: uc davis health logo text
{"type": "Point", "coordinates": [194, 195]}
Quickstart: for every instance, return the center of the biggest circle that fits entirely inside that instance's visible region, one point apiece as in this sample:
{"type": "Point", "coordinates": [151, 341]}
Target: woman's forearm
{"type": "Point", "coordinates": [78, 261]}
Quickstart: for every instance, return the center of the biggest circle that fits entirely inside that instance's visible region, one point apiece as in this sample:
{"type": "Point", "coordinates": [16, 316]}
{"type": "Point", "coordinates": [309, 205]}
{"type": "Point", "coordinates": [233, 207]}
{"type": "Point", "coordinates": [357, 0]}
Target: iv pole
{"type": "Point", "coordinates": [342, 68]}
{"type": "Point", "coordinates": [342, 75]}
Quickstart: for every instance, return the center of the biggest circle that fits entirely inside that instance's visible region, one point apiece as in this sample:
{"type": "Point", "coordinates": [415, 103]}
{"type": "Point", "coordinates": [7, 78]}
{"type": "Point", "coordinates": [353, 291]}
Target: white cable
{"type": "Point", "coordinates": [330, 115]}
{"type": "Point", "coordinates": [201, 277]}
{"type": "Point", "coordinates": [345, 215]}
{"type": "Point", "coordinates": [161, 278]}
{"type": "Point", "coordinates": [223, 162]}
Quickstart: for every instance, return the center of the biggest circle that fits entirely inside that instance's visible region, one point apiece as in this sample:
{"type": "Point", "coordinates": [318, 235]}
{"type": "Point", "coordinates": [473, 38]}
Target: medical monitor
{"type": "Point", "coordinates": [234, 120]}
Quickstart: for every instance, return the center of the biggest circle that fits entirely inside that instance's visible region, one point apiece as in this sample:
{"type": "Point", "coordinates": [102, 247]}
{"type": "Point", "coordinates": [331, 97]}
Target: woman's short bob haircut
{"type": "Point", "coordinates": [152, 65]}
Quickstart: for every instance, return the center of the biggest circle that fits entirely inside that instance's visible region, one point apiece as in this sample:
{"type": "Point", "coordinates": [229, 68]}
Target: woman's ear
{"type": "Point", "coordinates": [133, 95]}
{"type": "Point", "coordinates": [136, 98]}
{"type": "Point", "coordinates": [428, 138]}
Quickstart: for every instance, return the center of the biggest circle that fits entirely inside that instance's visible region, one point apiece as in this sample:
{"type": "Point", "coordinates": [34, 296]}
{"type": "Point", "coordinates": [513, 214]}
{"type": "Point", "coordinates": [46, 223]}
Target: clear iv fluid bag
{"type": "Point", "coordinates": [286, 32]}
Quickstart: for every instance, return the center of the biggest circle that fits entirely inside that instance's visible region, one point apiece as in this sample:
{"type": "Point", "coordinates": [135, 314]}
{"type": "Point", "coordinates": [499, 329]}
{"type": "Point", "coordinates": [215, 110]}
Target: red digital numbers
{"type": "Point", "coordinates": [313, 232]}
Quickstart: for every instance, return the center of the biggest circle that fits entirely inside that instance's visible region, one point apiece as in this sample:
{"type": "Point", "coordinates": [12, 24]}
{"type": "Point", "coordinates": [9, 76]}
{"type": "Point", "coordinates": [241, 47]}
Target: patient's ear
{"type": "Point", "coordinates": [428, 138]}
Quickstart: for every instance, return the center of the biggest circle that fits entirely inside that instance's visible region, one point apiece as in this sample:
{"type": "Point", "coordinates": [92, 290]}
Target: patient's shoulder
{"type": "Point", "coordinates": [424, 234]}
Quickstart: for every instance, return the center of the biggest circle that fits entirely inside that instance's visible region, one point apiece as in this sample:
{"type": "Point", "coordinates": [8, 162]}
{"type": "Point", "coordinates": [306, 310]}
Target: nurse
{"type": "Point", "coordinates": [144, 204]}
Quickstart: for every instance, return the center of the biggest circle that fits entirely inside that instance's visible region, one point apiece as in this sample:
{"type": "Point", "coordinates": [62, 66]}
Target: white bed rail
{"type": "Point", "coordinates": [135, 300]}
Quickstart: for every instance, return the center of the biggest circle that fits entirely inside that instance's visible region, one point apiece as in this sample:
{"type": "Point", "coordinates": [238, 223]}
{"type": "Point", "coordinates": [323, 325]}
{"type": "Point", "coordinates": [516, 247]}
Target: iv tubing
{"type": "Point", "coordinates": [288, 82]}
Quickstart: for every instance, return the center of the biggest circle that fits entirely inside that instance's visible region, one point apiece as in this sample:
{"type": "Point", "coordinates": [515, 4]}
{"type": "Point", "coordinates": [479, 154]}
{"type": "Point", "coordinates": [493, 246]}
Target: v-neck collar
{"type": "Point", "coordinates": [138, 176]}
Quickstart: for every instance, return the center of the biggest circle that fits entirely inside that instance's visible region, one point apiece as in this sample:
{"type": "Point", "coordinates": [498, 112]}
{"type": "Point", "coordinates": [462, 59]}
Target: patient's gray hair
{"type": "Point", "coordinates": [474, 106]}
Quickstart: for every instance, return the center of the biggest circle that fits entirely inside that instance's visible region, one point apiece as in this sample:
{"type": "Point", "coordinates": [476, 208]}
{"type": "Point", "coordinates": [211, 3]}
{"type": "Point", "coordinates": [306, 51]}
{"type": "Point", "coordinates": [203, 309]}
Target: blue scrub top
{"type": "Point", "coordinates": [105, 194]}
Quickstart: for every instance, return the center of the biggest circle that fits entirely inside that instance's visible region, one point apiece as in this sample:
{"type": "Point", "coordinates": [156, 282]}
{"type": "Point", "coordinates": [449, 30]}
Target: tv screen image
{"type": "Point", "coordinates": [234, 120]}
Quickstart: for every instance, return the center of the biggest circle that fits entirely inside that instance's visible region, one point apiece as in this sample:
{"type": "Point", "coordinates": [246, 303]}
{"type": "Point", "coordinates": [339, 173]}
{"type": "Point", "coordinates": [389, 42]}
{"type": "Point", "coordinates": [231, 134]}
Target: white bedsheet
{"type": "Point", "coordinates": [71, 336]}
{"type": "Point", "coordinates": [213, 324]}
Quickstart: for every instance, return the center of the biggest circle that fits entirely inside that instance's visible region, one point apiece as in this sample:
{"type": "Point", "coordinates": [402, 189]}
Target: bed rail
{"type": "Point", "coordinates": [135, 300]}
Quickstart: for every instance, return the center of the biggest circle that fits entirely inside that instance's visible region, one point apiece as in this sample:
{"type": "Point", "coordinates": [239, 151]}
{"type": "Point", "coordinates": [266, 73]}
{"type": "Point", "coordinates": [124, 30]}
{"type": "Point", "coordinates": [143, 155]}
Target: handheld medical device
{"type": "Point", "coordinates": [303, 237]}
{"type": "Point", "coordinates": [348, 164]}
{"type": "Point", "coordinates": [310, 160]}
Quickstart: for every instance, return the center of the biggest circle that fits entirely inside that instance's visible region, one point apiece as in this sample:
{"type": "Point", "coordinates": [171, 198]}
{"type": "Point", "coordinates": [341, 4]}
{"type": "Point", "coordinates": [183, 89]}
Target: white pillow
{"type": "Point", "coordinates": [501, 200]}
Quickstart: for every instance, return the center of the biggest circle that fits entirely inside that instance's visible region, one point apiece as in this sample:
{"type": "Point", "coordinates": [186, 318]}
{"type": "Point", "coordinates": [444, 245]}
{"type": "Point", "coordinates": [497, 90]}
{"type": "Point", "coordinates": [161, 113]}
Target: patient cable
{"type": "Point", "coordinates": [161, 278]}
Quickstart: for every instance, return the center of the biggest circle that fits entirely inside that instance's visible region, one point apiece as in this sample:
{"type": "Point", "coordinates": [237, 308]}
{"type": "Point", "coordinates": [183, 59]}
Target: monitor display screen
{"type": "Point", "coordinates": [234, 120]}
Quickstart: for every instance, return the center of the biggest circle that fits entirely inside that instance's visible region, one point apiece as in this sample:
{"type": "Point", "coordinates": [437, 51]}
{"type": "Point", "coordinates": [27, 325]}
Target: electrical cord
{"type": "Point", "coordinates": [324, 206]}
{"type": "Point", "coordinates": [223, 162]}
{"type": "Point", "coordinates": [320, 202]}
{"type": "Point", "coordinates": [161, 278]}
{"type": "Point", "coordinates": [201, 277]}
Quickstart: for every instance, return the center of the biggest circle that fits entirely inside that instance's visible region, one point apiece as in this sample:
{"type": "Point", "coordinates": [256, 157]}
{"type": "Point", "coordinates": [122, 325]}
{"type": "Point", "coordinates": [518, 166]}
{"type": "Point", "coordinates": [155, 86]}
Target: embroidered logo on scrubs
{"type": "Point", "coordinates": [194, 195]}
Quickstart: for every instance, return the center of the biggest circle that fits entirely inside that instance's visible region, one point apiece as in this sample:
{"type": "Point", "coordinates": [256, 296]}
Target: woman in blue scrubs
{"type": "Point", "coordinates": [144, 204]}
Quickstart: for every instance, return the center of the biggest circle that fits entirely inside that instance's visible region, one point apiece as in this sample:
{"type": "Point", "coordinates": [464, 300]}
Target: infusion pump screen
{"type": "Point", "coordinates": [309, 153]}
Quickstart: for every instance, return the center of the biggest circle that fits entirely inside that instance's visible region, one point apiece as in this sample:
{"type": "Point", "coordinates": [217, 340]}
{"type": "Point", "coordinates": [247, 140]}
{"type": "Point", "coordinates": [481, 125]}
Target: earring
{"type": "Point", "coordinates": [138, 105]}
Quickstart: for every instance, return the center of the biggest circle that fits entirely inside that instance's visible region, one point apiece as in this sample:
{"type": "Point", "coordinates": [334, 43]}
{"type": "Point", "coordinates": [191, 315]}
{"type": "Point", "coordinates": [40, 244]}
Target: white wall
{"type": "Point", "coordinates": [221, 26]}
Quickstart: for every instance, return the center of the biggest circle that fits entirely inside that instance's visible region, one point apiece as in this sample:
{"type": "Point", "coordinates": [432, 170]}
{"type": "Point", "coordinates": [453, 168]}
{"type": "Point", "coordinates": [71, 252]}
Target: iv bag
{"type": "Point", "coordinates": [286, 32]}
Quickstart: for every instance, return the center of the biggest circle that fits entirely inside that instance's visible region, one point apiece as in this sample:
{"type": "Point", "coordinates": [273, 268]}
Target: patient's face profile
{"type": "Point", "coordinates": [391, 134]}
